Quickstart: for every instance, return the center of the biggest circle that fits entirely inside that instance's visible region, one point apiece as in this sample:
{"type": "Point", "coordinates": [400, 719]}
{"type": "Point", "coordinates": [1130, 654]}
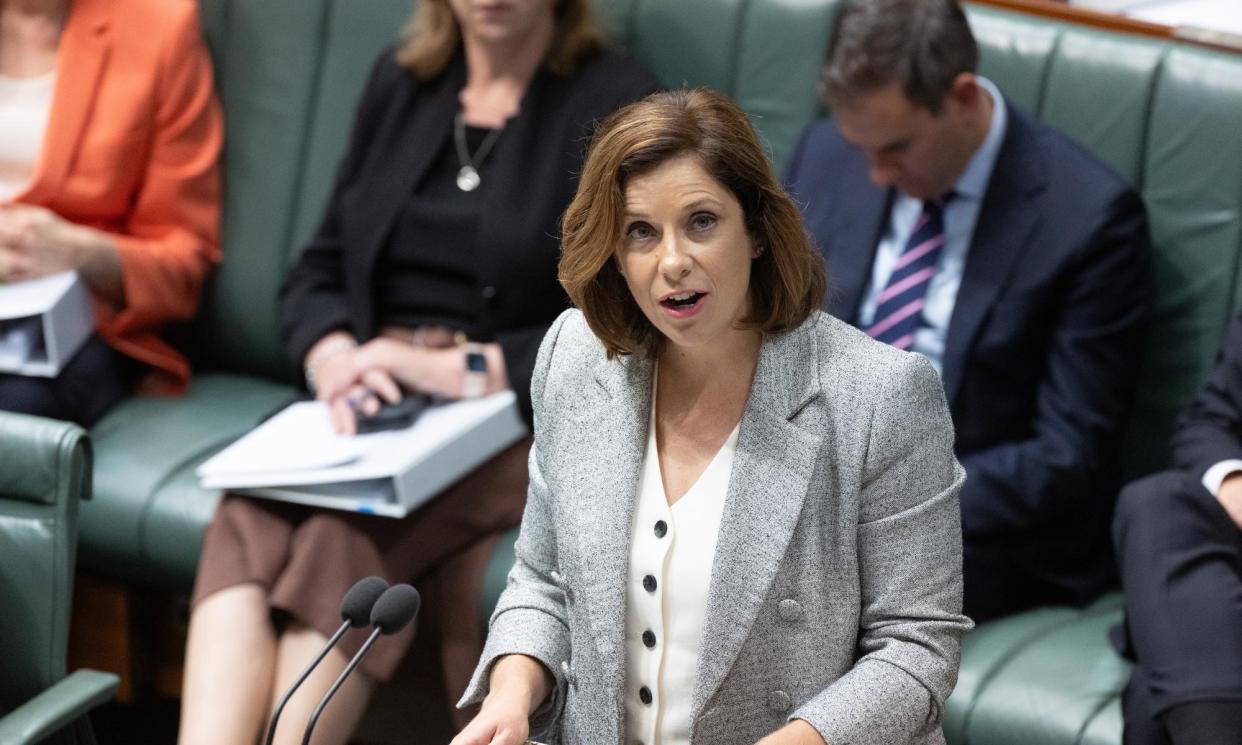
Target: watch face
{"type": "Point", "coordinates": [476, 362]}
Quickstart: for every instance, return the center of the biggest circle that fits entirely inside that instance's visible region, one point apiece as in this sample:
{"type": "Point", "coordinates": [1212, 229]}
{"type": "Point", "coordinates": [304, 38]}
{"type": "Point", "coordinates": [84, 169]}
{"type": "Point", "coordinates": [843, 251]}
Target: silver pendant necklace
{"type": "Point", "coordinates": [468, 178]}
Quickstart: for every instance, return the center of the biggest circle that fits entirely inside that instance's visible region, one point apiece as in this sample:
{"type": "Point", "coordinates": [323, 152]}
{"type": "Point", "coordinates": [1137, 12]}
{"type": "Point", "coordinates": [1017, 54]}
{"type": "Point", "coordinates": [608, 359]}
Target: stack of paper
{"type": "Point", "coordinates": [43, 323]}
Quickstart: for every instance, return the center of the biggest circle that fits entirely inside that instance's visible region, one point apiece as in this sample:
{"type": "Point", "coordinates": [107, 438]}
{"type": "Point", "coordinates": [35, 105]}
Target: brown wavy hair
{"type": "Point", "coordinates": [432, 37]}
{"type": "Point", "coordinates": [787, 281]}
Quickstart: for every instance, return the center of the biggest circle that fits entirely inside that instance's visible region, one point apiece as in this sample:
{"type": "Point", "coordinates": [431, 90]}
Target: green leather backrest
{"type": "Point", "coordinates": [45, 469]}
{"type": "Point", "coordinates": [1167, 117]}
{"type": "Point", "coordinates": [276, 70]}
{"type": "Point", "coordinates": [354, 34]}
{"type": "Point", "coordinates": [766, 54]}
{"type": "Point", "coordinates": [266, 55]}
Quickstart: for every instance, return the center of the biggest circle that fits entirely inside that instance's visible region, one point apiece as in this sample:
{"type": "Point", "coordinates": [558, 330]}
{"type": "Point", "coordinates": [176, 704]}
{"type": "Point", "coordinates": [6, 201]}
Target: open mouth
{"type": "Point", "coordinates": [682, 301]}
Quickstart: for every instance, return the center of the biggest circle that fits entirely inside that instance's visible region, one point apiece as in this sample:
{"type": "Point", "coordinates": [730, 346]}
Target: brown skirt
{"type": "Point", "coordinates": [306, 559]}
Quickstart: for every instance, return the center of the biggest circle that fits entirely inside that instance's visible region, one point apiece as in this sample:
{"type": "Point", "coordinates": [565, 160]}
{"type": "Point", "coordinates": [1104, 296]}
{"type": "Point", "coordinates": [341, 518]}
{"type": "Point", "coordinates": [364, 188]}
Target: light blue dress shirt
{"type": "Point", "coordinates": [960, 216]}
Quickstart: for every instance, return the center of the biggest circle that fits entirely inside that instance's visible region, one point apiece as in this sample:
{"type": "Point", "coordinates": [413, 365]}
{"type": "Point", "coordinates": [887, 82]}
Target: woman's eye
{"type": "Point", "coordinates": [638, 231]}
{"type": "Point", "coordinates": [703, 221]}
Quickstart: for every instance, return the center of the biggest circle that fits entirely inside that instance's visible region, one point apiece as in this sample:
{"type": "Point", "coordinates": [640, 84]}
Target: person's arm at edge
{"type": "Point", "coordinates": [153, 268]}
{"type": "Point", "coordinates": [530, 618]}
{"type": "Point", "coordinates": [910, 564]}
{"type": "Point", "coordinates": [1210, 429]}
{"type": "Point", "coordinates": [312, 301]}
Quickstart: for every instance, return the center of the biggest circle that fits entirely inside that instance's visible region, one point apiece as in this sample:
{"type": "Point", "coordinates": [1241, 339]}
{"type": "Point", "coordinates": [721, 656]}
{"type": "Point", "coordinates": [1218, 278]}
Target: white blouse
{"type": "Point", "coordinates": [25, 105]}
{"type": "Point", "coordinates": [671, 552]}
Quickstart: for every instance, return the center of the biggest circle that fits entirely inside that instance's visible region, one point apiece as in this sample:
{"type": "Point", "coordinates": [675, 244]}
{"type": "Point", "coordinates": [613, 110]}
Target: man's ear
{"type": "Point", "coordinates": [965, 90]}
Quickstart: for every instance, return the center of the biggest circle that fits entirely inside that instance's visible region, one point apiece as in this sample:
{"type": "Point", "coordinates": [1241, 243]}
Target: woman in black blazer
{"type": "Point", "coordinates": [442, 228]}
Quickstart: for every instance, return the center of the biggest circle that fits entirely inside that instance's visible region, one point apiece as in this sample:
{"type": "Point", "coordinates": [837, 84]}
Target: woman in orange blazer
{"type": "Point", "coordinates": [109, 166]}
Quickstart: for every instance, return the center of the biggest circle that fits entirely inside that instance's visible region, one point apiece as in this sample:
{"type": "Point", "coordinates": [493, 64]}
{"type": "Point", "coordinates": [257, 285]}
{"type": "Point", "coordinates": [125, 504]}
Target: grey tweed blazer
{"type": "Point", "coordinates": [836, 586]}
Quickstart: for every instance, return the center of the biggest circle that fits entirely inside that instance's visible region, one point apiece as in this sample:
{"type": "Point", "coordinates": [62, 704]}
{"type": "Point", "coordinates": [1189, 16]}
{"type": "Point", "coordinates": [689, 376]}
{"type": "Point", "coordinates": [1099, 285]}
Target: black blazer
{"type": "Point", "coordinates": [1046, 334]}
{"type": "Point", "coordinates": [1210, 430]}
{"type": "Point", "coordinates": [399, 128]}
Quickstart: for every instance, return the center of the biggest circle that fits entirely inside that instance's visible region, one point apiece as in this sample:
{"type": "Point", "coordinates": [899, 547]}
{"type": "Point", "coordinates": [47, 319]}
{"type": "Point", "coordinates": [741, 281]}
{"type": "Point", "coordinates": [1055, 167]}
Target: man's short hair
{"type": "Point", "coordinates": [923, 45]}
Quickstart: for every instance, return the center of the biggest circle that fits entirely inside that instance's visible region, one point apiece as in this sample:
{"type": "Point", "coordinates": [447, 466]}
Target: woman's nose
{"type": "Point", "coordinates": [674, 260]}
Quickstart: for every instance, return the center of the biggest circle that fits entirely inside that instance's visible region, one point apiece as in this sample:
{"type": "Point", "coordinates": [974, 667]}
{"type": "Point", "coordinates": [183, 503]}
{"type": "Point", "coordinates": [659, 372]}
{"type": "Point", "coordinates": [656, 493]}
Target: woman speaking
{"type": "Point", "coordinates": [742, 523]}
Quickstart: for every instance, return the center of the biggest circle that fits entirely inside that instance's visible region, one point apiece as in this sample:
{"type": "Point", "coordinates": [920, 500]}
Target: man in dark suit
{"type": "Point", "coordinates": [957, 226]}
{"type": "Point", "coordinates": [1179, 543]}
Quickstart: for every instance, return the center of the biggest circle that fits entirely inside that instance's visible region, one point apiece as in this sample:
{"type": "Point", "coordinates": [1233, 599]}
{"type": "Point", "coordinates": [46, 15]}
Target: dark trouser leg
{"type": "Point", "coordinates": [1205, 723]}
{"type": "Point", "coordinates": [1181, 570]}
{"type": "Point", "coordinates": [95, 379]}
{"type": "Point", "coordinates": [1142, 727]}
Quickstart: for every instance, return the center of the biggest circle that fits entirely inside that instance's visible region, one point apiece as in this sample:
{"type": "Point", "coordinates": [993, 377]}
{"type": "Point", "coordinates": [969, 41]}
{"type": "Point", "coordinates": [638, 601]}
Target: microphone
{"type": "Point", "coordinates": [356, 608]}
{"type": "Point", "coordinates": [392, 612]}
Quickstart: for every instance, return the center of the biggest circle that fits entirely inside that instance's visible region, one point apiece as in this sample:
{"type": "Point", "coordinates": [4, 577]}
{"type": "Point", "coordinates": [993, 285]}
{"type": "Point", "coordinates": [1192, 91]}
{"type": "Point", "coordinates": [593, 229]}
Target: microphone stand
{"type": "Point", "coordinates": [271, 728]}
{"type": "Point", "coordinates": [314, 717]}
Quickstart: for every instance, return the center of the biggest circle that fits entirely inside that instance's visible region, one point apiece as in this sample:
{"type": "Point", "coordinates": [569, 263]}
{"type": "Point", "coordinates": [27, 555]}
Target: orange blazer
{"type": "Point", "coordinates": [132, 148]}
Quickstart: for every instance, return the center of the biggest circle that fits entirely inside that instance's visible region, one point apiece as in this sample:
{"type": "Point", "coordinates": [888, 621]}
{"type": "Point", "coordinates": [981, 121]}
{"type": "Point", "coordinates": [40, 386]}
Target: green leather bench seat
{"type": "Point", "coordinates": [1044, 677]}
{"type": "Point", "coordinates": [146, 520]}
{"type": "Point", "coordinates": [1164, 114]}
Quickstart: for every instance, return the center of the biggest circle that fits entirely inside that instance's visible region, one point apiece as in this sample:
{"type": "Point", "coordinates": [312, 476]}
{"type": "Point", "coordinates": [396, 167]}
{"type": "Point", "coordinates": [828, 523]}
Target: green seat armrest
{"type": "Point", "coordinates": [57, 707]}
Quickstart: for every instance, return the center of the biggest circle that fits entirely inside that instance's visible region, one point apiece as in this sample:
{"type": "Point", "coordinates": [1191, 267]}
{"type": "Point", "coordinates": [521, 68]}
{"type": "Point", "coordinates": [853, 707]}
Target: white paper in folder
{"type": "Point", "coordinates": [295, 456]}
{"type": "Point", "coordinates": [43, 323]}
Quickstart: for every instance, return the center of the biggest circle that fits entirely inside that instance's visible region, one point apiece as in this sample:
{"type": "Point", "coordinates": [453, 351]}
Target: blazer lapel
{"type": "Point", "coordinates": [772, 471]}
{"type": "Point", "coordinates": [606, 469]}
{"type": "Point", "coordinates": [1007, 221]}
{"type": "Point", "coordinates": [418, 136]}
{"type": "Point", "coordinates": [519, 143]}
{"type": "Point", "coordinates": [864, 212]}
{"type": "Point", "coordinates": [77, 84]}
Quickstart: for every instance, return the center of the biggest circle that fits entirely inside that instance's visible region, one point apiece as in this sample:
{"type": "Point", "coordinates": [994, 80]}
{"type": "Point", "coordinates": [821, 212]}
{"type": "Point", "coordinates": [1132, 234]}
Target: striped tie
{"type": "Point", "coordinates": [899, 308]}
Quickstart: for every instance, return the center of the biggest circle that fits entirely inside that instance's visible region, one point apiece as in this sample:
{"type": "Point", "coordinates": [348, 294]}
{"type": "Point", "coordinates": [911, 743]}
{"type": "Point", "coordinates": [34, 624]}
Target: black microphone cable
{"type": "Point", "coordinates": [356, 610]}
{"type": "Point", "coordinates": [392, 612]}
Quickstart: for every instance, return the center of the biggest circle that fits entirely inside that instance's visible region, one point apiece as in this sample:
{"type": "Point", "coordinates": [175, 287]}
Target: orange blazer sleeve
{"type": "Point", "coordinates": [133, 150]}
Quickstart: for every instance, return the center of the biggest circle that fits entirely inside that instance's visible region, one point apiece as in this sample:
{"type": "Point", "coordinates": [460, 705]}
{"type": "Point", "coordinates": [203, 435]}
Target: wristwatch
{"type": "Point", "coordinates": [474, 381]}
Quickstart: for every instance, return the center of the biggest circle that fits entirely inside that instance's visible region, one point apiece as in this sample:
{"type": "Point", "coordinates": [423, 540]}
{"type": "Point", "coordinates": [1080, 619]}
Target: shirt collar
{"type": "Point", "coordinates": [974, 180]}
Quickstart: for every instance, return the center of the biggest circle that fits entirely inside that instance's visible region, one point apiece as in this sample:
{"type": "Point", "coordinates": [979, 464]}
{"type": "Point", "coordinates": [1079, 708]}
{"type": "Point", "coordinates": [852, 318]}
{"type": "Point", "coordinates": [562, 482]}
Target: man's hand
{"type": "Point", "coordinates": [1230, 497]}
{"type": "Point", "coordinates": [797, 732]}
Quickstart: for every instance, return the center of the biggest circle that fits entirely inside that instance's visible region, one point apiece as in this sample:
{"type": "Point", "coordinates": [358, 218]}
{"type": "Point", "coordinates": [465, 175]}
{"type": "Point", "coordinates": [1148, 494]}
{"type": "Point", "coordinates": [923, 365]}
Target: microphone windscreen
{"type": "Point", "coordinates": [358, 602]}
{"type": "Point", "coordinates": [395, 608]}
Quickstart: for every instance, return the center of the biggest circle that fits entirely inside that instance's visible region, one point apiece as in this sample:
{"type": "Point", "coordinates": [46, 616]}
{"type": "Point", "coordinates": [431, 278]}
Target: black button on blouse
{"type": "Point", "coordinates": [644, 695]}
{"type": "Point", "coordinates": [649, 639]}
{"type": "Point", "coordinates": [649, 583]}
{"type": "Point", "coordinates": [661, 528]}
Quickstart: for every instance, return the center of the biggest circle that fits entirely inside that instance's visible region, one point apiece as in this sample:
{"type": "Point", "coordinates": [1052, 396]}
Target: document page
{"type": "Point", "coordinates": [298, 446]}
{"type": "Point", "coordinates": [35, 296]}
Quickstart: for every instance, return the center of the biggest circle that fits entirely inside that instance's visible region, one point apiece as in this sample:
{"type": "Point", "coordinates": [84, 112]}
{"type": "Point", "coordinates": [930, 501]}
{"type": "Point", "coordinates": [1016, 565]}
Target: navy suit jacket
{"type": "Point", "coordinates": [1043, 344]}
